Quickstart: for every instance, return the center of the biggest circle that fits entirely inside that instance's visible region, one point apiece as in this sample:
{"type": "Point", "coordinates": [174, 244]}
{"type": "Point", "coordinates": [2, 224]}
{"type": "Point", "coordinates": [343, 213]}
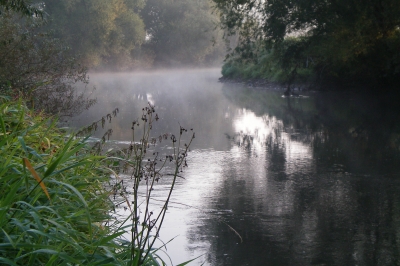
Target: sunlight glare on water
{"type": "Point", "coordinates": [283, 173]}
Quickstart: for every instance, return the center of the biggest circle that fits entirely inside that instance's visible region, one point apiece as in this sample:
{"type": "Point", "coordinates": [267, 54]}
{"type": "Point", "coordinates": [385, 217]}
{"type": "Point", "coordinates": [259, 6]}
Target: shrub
{"type": "Point", "coordinates": [39, 67]}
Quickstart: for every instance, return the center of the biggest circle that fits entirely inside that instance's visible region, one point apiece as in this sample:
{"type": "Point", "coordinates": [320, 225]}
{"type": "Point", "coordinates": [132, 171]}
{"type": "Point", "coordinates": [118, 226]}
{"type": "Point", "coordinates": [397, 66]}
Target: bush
{"type": "Point", "coordinates": [270, 63]}
{"type": "Point", "coordinates": [39, 67]}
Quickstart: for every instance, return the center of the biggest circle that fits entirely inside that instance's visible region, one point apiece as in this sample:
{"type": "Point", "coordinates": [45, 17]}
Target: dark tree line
{"type": "Point", "coordinates": [129, 34]}
{"type": "Point", "coordinates": [338, 41]}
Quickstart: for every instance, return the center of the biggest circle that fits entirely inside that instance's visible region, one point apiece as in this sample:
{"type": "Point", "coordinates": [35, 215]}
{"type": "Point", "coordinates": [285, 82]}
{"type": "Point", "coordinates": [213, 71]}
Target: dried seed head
{"type": "Point", "coordinates": [173, 138]}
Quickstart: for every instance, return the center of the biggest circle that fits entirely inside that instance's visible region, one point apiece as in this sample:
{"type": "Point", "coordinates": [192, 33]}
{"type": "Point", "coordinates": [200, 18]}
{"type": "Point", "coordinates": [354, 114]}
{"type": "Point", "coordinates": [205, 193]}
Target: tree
{"type": "Point", "coordinates": [105, 33]}
{"type": "Point", "coordinates": [182, 32]}
{"type": "Point", "coordinates": [345, 40]}
{"type": "Point", "coordinates": [39, 67]}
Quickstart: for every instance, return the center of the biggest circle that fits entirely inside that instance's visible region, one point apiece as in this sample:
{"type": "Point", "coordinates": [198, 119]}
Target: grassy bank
{"type": "Point", "coordinates": [55, 192]}
{"type": "Point", "coordinates": [53, 208]}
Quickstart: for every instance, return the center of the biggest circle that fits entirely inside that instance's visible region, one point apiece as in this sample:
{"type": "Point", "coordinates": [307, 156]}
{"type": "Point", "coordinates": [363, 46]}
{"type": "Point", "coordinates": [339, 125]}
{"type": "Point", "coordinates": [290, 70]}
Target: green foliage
{"type": "Point", "coordinates": [39, 67]}
{"type": "Point", "coordinates": [55, 189]}
{"type": "Point", "coordinates": [342, 41]}
{"type": "Point", "coordinates": [104, 33]}
{"type": "Point", "coordinates": [275, 64]}
{"type": "Point", "coordinates": [129, 34]}
{"type": "Point", "coordinates": [68, 227]}
{"type": "Point", "coordinates": [182, 32]}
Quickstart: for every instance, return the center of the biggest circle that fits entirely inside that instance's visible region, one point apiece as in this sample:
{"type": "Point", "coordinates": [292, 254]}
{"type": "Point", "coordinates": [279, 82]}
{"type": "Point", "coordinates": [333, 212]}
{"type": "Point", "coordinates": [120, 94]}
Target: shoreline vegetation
{"type": "Point", "coordinates": [352, 46]}
{"type": "Point", "coordinates": [56, 191]}
{"type": "Point", "coordinates": [57, 186]}
{"type": "Point", "coordinates": [54, 202]}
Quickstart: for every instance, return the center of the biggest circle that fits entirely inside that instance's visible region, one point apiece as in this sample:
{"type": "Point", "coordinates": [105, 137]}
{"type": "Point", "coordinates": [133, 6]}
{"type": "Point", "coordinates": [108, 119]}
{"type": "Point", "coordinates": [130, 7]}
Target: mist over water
{"type": "Point", "coordinates": [304, 181]}
{"type": "Point", "coordinates": [190, 98]}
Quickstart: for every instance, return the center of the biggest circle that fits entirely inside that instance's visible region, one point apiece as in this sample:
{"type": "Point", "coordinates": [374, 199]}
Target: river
{"type": "Point", "coordinates": [310, 180]}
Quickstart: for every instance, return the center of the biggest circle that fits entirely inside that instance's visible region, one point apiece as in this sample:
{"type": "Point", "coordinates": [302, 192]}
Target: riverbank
{"type": "Point", "coordinates": [264, 84]}
{"type": "Point", "coordinates": [388, 93]}
{"type": "Point", "coordinates": [60, 192]}
{"type": "Point", "coordinates": [54, 208]}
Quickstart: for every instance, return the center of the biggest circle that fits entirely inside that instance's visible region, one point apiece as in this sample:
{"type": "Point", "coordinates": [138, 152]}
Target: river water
{"type": "Point", "coordinates": [310, 180]}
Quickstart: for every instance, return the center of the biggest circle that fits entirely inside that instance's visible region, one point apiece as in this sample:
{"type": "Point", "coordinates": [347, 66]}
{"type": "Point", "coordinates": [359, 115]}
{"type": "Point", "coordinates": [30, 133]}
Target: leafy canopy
{"type": "Point", "coordinates": [342, 39]}
{"type": "Point", "coordinates": [102, 32]}
{"type": "Point", "coordinates": [182, 32]}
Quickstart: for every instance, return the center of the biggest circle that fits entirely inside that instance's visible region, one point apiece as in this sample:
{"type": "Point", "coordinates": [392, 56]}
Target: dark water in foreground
{"type": "Point", "coordinates": [305, 181]}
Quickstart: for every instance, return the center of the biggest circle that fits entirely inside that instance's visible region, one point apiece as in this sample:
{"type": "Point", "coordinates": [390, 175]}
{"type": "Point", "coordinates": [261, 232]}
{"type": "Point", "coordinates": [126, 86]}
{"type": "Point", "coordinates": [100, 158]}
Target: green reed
{"type": "Point", "coordinates": [53, 205]}
{"type": "Point", "coordinates": [54, 202]}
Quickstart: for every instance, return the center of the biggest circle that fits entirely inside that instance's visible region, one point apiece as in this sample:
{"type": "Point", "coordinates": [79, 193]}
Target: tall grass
{"type": "Point", "coordinates": [54, 208]}
{"type": "Point", "coordinates": [52, 202]}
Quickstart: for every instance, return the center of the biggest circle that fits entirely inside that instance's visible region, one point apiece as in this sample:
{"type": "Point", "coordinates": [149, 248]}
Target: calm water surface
{"type": "Point", "coordinates": [312, 180]}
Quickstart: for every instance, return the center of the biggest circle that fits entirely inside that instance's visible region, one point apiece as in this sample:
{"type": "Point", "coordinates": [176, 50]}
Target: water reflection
{"type": "Point", "coordinates": [310, 206]}
{"type": "Point", "coordinates": [304, 181]}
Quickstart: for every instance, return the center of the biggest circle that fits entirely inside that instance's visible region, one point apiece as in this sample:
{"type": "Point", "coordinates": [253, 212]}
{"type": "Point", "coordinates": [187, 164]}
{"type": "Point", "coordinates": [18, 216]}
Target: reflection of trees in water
{"type": "Point", "coordinates": [338, 206]}
{"type": "Point", "coordinates": [361, 131]}
{"type": "Point", "coordinates": [328, 225]}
